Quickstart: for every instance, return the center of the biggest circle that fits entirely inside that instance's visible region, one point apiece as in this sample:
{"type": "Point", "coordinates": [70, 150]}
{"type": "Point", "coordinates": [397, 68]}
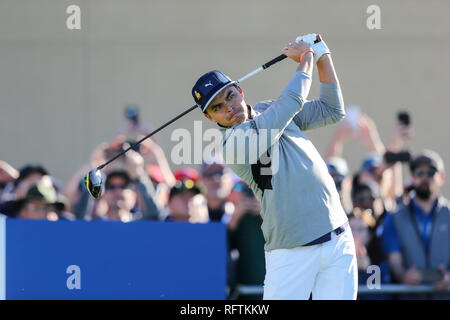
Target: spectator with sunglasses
{"type": "Point", "coordinates": [135, 183]}
{"type": "Point", "coordinates": [27, 176]}
{"type": "Point", "coordinates": [217, 181]}
{"type": "Point", "coordinates": [416, 236]}
{"type": "Point", "coordinates": [185, 204]}
{"type": "Point", "coordinates": [366, 199]}
{"type": "Point", "coordinates": [119, 197]}
{"type": "Point", "coordinates": [338, 169]}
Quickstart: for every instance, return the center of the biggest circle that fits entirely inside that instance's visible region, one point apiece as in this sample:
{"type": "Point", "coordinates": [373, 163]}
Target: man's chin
{"type": "Point", "coordinates": [423, 193]}
{"type": "Point", "coordinates": [238, 120]}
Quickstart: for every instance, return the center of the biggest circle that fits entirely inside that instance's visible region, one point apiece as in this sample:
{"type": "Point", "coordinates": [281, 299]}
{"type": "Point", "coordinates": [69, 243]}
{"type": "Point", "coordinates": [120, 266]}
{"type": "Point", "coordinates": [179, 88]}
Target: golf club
{"type": "Point", "coordinates": [94, 181]}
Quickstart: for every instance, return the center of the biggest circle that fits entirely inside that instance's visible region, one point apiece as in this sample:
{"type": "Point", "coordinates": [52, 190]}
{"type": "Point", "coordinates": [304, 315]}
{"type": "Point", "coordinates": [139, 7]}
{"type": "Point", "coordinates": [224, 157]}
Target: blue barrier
{"type": "Point", "coordinates": [114, 260]}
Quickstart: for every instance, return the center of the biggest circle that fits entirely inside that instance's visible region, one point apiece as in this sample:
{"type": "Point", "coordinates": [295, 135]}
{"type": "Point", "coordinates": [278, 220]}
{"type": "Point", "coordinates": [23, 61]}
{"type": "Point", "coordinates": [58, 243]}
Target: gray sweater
{"type": "Point", "coordinates": [299, 199]}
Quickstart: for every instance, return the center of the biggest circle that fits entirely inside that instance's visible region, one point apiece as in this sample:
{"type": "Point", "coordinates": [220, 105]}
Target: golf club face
{"type": "Point", "coordinates": [94, 183]}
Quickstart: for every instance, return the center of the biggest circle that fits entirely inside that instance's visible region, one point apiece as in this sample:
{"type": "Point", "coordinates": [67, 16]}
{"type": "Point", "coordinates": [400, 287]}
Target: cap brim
{"type": "Point", "coordinates": [216, 93]}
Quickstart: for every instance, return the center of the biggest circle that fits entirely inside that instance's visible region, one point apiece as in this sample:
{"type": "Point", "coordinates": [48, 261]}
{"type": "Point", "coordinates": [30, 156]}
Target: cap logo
{"type": "Point", "coordinates": [198, 95]}
{"type": "Point", "coordinates": [208, 84]}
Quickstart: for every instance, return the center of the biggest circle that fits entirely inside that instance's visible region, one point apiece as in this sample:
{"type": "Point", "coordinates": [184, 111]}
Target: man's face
{"type": "Point", "coordinates": [118, 194]}
{"type": "Point", "coordinates": [217, 182]}
{"type": "Point", "coordinates": [363, 200]}
{"type": "Point", "coordinates": [228, 108]}
{"type": "Point", "coordinates": [179, 206]}
{"type": "Point", "coordinates": [34, 209]}
{"type": "Point", "coordinates": [426, 181]}
{"type": "Point", "coordinates": [360, 229]}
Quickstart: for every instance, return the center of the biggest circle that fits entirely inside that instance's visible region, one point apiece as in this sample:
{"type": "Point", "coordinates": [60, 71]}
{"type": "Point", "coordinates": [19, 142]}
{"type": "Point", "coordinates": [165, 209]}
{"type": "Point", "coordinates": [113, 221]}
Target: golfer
{"type": "Point", "coordinates": [309, 246]}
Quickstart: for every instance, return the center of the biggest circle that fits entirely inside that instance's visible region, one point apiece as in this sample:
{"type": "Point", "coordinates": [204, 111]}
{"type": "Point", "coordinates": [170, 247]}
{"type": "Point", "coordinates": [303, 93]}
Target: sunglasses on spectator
{"type": "Point", "coordinates": [363, 198]}
{"type": "Point", "coordinates": [422, 172]}
{"type": "Point", "coordinates": [37, 208]}
{"type": "Point", "coordinates": [212, 173]}
{"type": "Point", "coordinates": [116, 186]}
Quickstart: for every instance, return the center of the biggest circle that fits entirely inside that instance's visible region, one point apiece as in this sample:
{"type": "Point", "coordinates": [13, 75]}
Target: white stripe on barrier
{"type": "Point", "coordinates": [2, 257]}
{"type": "Point", "coordinates": [249, 290]}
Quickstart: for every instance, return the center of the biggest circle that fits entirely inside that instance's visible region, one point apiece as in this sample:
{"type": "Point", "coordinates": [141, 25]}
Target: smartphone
{"type": "Point", "coordinates": [404, 118]}
{"type": "Point", "coordinates": [393, 157]}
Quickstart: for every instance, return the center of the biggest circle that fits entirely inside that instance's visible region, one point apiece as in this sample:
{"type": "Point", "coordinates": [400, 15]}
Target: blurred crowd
{"type": "Point", "coordinates": [399, 221]}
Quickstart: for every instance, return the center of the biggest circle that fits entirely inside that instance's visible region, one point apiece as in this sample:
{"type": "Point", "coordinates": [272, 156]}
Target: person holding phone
{"type": "Point", "coordinates": [416, 237]}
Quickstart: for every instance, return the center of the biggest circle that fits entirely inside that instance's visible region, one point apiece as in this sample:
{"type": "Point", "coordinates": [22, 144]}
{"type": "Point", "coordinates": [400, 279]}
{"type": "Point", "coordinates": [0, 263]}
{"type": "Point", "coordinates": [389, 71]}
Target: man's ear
{"type": "Point", "coordinates": [442, 178]}
{"type": "Point", "coordinates": [208, 117]}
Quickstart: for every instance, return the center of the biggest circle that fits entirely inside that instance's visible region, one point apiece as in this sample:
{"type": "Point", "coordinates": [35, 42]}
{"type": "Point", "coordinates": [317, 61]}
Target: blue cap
{"type": "Point", "coordinates": [429, 157]}
{"type": "Point", "coordinates": [208, 86]}
{"type": "Point", "coordinates": [337, 166]}
{"type": "Point", "coordinates": [371, 161]}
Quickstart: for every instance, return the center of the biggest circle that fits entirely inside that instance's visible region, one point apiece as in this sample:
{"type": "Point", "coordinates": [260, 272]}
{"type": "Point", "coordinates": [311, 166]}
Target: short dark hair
{"type": "Point", "coordinates": [361, 187]}
{"type": "Point", "coordinates": [184, 186]}
{"type": "Point", "coordinates": [118, 173]}
{"type": "Point", "coordinates": [28, 170]}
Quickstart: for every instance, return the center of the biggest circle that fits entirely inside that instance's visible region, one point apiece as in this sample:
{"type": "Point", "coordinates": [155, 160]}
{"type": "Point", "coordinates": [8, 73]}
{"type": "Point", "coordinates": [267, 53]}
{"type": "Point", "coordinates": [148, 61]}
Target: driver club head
{"type": "Point", "coordinates": [94, 183]}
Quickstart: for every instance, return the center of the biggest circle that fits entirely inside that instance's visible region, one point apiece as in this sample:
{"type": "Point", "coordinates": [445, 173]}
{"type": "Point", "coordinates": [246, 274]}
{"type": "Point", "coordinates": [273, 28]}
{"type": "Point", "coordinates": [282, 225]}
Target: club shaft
{"type": "Point", "coordinates": [148, 136]}
{"type": "Point", "coordinates": [250, 74]}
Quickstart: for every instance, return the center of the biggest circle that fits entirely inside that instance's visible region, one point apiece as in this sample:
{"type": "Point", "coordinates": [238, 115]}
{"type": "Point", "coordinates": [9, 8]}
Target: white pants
{"type": "Point", "coordinates": [327, 270]}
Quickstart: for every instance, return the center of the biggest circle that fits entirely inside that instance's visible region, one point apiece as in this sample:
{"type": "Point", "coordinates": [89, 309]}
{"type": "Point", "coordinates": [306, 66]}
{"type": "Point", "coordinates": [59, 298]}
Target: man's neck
{"type": "Point", "coordinates": [215, 202]}
{"type": "Point", "coordinates": [425, 205]}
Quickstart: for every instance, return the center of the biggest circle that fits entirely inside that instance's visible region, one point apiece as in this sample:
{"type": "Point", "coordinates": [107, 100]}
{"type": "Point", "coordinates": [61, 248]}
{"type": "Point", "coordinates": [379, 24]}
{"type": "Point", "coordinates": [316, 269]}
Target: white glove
{"type": "Point", "coordinates": [308, 38]}
{"type": "Point", "coordinates": [320, 48]}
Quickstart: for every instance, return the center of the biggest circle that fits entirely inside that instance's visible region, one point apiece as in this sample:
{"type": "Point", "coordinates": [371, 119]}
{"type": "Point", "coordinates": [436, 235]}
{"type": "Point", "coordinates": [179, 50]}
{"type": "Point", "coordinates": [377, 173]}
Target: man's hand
{"type": "Point", "coordinates": [248, 205]}
{"type": "Point", "coordinates": [400, 134]}
{"type": "Point", "coordinates": [444, 283]}
{"type": "Point", "coordinates": [134, 164]}
{"type": "Point", "coordinates": [294, 50]}
{"type": "Point", "coordinates": [97, 156]}
{"type": "Point", "coordinates": [412, 276]}
{"type": "Point", "coordinates": [320, 48]}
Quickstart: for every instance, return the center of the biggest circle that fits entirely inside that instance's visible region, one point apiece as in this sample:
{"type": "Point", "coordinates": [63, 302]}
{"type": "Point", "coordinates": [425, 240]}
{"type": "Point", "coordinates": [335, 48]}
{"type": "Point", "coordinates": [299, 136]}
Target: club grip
{"type": "Point", "coordinates": [273, 61]}
{"type": "Point", "coordinates": [282, 56]}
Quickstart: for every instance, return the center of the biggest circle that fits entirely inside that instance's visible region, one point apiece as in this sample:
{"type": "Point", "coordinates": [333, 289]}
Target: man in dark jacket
{"type": "Point", "coordinates": [416, 237]}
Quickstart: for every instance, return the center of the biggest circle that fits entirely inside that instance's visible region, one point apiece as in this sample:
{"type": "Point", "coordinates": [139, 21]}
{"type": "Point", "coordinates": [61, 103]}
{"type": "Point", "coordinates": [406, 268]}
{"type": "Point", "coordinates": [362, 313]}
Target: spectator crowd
{"type": "Point", "coordinates": [400, 223]}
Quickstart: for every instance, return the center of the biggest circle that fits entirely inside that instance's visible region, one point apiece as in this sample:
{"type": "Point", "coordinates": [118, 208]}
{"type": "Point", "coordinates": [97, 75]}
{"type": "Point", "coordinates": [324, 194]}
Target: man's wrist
{"type": "Point", "coordinates": [309, 52]}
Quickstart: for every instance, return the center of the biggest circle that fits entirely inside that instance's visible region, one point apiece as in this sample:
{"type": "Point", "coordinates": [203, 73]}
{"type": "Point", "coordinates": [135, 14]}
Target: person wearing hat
{"type": "Point", "coordinates": [303, 218]}
{"type": "Point", "coordinates": [416, 236]}
{"type": "Point", "coordinates": [119, 196]}
{"type": "Point", "coordinates": [186, 172]}
{"type": "Point", "coordinates": [217, 182]}
{"type": "Point", "coordinates": [183, 204]}
{"type": "Point", "coordinates": [338, 169]}
{"type": "Point", "coordinates": [38, 201]}
{"type": "Point", "coordinates": [29, 175]}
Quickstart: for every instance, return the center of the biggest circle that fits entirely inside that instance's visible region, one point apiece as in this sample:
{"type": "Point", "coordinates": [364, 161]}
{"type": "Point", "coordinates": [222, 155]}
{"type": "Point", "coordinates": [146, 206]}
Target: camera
{"type": "Point", "coordinates": [393, 157]}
